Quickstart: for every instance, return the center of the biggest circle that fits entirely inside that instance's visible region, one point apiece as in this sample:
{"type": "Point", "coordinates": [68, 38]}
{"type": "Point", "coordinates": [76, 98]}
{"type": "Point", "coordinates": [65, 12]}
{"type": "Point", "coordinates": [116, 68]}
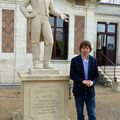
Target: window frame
{"type": "Point", "coordinates": [65, 39]}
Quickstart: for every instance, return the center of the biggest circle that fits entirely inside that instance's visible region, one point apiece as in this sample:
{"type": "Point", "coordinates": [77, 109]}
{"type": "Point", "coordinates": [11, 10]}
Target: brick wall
{"type": "Point", "coordinates": [79, 32]}
{"type": "Point", "coordinates": [7, 31]}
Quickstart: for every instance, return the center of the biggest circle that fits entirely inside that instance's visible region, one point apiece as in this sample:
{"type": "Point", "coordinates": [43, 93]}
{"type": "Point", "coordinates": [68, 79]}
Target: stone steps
{"type": "Point", "coordinates": [112, 76]}
{"type": "Point", "coordinates": [104, 79]}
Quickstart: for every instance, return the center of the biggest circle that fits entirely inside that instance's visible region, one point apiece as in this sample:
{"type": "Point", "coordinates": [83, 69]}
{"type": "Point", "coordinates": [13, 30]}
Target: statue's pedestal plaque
{"type": "Point", "coordinates": [45, 95]}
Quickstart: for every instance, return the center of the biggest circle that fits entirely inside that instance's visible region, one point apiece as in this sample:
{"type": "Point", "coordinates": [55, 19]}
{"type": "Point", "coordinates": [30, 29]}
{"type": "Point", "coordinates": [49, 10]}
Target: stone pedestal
{"type": "Point", "coordinates": [116, 86]}
{"type": "Point", "coordinates": [45, 95]}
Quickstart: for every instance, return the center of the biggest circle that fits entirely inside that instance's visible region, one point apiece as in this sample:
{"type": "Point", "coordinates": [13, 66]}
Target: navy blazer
{"type": "Point", "coordinates": [77, 75]}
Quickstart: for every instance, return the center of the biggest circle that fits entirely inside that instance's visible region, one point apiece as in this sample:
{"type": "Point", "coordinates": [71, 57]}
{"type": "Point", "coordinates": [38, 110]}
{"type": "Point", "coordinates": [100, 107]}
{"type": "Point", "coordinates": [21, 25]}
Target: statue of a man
{"type": "Point", "coordinates": [40, 26]}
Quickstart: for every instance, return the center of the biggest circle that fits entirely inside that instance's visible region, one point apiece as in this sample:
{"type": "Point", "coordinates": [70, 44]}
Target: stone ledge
{"type": "Point", "coordinates": [37, 77]}
{"type": "Point", "coordinates": [43, 71]}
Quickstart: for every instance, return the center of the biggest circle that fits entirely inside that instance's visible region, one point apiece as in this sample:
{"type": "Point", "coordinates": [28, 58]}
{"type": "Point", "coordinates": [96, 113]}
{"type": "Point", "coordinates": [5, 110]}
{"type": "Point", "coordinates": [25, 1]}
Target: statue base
{"type": "Point", "coordinates": [43, 71]}
{"type": "Point", "coordinates": [45, 95]}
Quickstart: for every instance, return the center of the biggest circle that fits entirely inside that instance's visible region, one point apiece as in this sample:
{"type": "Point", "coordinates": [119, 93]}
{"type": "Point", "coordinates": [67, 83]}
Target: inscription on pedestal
{"type": "Point", "coordinates": [46, 103]}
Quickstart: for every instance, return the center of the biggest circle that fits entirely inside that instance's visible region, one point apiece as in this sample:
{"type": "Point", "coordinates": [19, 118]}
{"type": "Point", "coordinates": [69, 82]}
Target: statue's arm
{"type": "Point", "coordinates": [56, 13]}
{"type": "Point", "coordinates": [23, 8]}
{"type": "Point", "coordinates": [53, 11]}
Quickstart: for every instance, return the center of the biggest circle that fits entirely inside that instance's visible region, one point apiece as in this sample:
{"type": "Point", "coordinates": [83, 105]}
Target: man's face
{"type": "Point", "coordinates": [85, 50]}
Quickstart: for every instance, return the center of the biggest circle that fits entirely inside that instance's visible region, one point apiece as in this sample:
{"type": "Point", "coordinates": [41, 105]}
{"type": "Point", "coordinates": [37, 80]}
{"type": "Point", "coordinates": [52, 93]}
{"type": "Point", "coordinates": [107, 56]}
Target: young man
{"type": "Point", "coordinates": [84, 73]}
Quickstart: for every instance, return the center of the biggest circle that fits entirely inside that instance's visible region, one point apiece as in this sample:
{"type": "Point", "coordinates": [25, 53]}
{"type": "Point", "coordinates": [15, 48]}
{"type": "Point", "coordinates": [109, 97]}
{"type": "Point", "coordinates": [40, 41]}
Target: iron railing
{"type": "Point", "coordinates": [111, 64]}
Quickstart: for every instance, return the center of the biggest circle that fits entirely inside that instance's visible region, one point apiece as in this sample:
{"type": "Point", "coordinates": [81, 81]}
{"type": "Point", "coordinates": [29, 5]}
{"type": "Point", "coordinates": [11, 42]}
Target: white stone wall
{"type": "Point", "coordinates": [7, 60]}
{"type": "Point", "coordinates": [90, 33]}
{"type": "Point", "coordinates": [19, 61]}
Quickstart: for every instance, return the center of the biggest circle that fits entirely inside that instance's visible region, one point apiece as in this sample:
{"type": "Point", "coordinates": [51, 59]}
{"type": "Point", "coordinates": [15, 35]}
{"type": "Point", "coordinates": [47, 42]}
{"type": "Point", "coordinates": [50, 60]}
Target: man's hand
{"type": "Point", "coordinates": [64, 17]}
{"type": "Point", "coordinates": [88, 83]}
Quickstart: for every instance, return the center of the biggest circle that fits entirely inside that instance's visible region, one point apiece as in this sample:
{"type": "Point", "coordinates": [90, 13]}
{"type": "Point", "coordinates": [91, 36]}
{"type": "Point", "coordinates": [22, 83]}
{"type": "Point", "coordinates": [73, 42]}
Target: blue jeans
{"type": "Point", "coordinates": [90, 105]}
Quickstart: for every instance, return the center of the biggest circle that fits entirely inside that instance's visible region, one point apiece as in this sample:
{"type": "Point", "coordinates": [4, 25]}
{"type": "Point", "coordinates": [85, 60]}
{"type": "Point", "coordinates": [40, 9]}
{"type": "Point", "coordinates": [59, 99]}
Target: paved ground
{"type": "Point", "coordinates": [108, 103]}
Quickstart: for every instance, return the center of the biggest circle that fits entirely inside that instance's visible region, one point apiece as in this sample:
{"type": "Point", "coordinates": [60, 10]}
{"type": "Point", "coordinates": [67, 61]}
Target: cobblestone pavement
{"type": "Point", "coordinates": [107, 103]}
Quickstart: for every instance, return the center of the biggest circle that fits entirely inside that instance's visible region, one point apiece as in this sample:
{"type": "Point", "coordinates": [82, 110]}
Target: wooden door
{"type": "Point", "coordinates": [106, 43]}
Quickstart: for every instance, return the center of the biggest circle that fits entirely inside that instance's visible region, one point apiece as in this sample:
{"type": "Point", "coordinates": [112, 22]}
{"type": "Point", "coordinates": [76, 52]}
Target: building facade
{"type": "Point", "coordinates": [88, 20]}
